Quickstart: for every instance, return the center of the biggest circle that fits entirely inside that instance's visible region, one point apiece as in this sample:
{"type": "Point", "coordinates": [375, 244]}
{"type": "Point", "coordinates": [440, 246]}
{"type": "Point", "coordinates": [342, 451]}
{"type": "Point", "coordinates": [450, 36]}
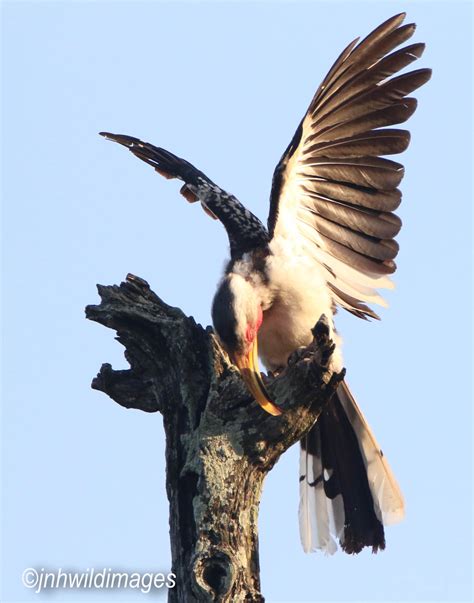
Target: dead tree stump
{"type": "Point", "coordinates": [219, 443]}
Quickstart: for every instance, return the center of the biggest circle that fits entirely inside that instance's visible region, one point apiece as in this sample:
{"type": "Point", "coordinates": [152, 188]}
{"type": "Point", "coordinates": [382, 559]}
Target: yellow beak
{"type": "Point", "coordinates": [248, 367]}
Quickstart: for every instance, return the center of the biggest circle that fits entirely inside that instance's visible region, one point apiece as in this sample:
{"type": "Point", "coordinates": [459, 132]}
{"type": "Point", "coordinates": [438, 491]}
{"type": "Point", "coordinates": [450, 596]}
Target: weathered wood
{"type": "Point", "coordinates": [219, 443]}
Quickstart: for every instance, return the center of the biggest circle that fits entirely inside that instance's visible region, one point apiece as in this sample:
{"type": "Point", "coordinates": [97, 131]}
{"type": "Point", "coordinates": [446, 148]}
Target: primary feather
{"type": "Point", "coordinates": [333, 188]}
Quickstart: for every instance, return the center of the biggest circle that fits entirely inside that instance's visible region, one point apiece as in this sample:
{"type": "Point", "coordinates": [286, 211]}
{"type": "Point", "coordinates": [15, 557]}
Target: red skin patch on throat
{"type": "Point", "coordinates": [251, 331]}
{"type": "Point", "coordinates": [259, 318]}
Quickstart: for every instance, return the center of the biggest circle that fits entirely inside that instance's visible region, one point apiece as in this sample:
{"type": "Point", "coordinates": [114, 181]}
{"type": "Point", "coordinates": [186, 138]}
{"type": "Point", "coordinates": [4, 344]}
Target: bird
{"type": "Point", "coordinates": [329, 243]}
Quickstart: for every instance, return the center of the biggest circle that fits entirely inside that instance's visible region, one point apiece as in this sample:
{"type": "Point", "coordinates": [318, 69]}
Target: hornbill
{"type": "Point", "coordinates": [329, 242]}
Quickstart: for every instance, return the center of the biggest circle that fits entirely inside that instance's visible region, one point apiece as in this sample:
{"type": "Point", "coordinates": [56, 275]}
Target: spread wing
{"type": "Point", "coordinates": [244, 229]}
{"type": "Point", "coordinates": [332, 190]}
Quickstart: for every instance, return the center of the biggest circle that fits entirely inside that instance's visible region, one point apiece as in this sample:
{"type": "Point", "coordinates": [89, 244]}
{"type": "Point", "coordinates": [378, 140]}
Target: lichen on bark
{"type": "Point", "coordinates": [220, 444]}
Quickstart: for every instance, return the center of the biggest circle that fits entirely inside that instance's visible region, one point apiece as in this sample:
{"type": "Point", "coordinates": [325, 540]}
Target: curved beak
{"type": "Point", "coordinates": [248, 367]}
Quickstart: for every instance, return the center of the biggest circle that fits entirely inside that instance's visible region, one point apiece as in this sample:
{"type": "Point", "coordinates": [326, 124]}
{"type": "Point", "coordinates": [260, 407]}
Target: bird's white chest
{"type": "Point", "coordinates": [300, 296]}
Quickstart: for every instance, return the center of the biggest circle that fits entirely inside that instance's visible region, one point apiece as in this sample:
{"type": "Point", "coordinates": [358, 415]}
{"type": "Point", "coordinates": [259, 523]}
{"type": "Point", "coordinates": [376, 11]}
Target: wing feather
{"type": "Point", "coordinates": [378, 72]}
{"type": "Point", "coordinates": [356, 54]}
{"type": "Point", "coordinates": [372, 173]}
{"type": "Point", "coordinates": [334, 189]}
{"type": "Point", "coordinates": [383, 225]}
{"type": "Point", "coordinates": [359, 260]}
{"type": "Point", "coordinates": [244, 229]}
{"type": "Point", "coordinates": [376, 98]}
{"type": "Point", "coordinates": [373, 143]}
{"type": "Point", "coordinates": [380, 249]}
{"type": "Point", "coordinates": [361, 197]}
{"type": "Point", "coordinates": [396, 114]}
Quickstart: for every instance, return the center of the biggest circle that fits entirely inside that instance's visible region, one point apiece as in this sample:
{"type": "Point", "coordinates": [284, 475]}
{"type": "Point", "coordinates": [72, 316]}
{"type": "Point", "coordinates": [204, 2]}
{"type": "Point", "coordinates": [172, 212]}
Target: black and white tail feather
{"type": "Point", "coordinates": [333, 197]}
{"type": "Point", "coordinates": [347, 489]}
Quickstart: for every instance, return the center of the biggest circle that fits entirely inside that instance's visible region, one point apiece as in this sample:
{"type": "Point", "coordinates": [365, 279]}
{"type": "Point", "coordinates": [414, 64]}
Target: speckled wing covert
{"type": "Point", "coordinates": [245, 230]}
{"type": "Point", "coordinates": [332, 189]}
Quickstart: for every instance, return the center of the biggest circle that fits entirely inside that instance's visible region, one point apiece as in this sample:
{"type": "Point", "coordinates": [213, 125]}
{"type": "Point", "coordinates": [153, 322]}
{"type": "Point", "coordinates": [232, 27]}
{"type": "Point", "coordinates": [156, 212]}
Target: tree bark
{"type": "Point", "coordinates": [219, 443]}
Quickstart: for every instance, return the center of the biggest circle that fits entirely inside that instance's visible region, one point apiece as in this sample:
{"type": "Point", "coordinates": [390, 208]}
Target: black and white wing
{"type": "Point", "coordinates": [333, 191]}
{"type": "Point", "coordinates": [244, 229]}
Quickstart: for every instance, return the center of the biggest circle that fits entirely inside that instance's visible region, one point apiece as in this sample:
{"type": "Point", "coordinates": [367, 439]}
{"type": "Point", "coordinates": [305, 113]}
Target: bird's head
{"type": "Point", "coordinates": [237, 316]}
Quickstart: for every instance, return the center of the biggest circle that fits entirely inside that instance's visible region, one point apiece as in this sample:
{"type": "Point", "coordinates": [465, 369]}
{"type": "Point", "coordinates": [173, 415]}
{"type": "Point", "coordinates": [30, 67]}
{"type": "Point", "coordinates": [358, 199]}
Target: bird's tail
{"type": "Point", "coordinates": [347, 489]}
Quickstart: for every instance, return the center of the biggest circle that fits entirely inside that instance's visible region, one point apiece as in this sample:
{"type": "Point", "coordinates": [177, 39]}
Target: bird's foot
{"type": "Point", "coordinates": [295, 356]}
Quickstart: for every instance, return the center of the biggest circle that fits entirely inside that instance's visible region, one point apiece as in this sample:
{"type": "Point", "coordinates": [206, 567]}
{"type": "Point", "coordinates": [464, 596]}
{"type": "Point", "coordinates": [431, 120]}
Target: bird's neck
{"type": "Point", "coordinates": [252, 268]}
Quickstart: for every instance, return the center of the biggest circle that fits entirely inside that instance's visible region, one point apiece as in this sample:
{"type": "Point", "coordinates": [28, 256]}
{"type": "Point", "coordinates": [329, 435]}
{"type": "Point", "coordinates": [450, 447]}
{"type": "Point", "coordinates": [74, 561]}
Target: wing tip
{"type": "Point", "coordinates": [123, 139]}
{"type": "Point", "coordinates": [401, 16]}
{"type": "Point", "coordinates": [398, 19]}
{"type": "Point", "coordinates": [108, 136]}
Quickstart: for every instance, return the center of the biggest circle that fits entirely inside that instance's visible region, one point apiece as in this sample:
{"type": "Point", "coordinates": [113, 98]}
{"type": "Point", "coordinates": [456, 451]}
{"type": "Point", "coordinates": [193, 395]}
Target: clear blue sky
{"type": "Point", "coordinates": [225, 86]}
